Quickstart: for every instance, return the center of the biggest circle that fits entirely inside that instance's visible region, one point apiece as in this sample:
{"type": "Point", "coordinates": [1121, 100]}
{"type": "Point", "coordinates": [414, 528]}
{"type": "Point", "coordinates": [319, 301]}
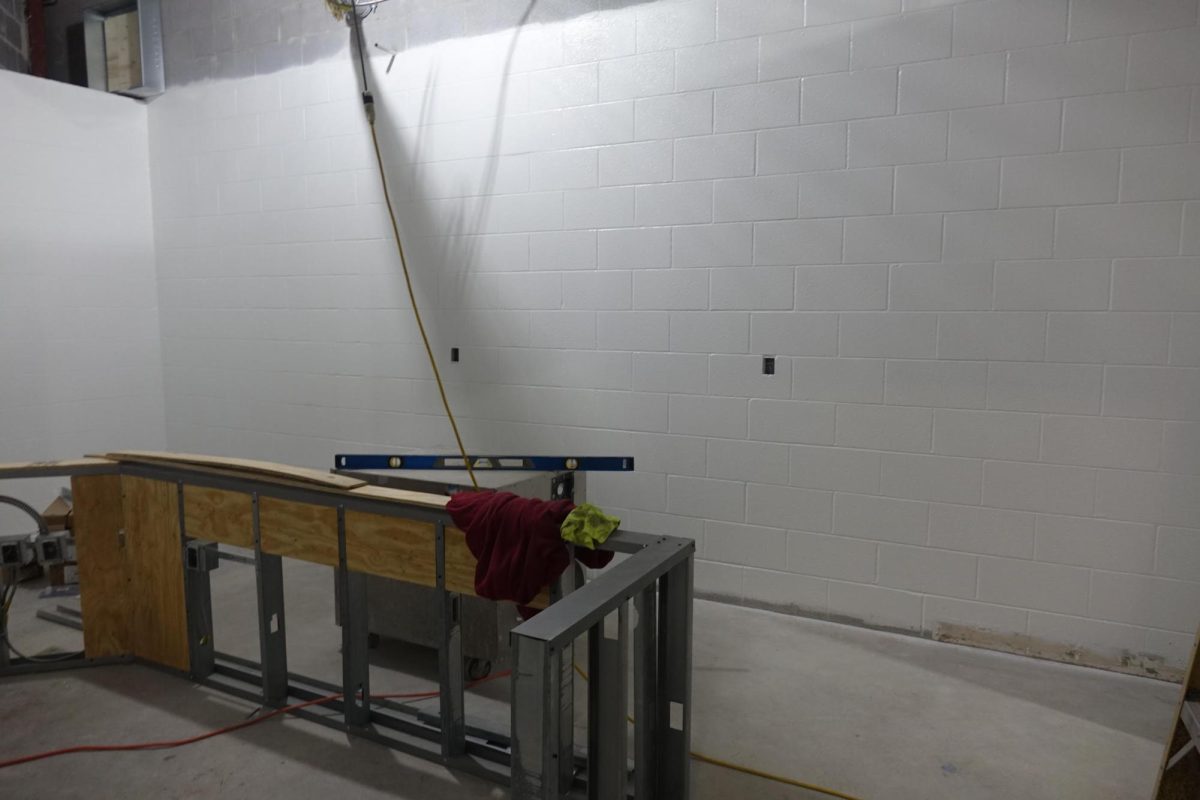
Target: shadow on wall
{"type": "Point", "coordinates": [441, 248]}
{"type": "Point", "coordinates": [217, 39]}
{"type": "Point", "coordinates": [223, 40]}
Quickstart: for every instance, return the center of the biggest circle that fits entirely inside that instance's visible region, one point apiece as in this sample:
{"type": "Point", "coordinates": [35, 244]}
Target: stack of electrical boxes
{"type": "Point", "coordinates": [50, 551]}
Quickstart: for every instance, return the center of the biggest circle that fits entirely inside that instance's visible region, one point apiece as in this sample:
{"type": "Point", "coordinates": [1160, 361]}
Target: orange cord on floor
{"type": "Point", "coordinates": [237, 726]}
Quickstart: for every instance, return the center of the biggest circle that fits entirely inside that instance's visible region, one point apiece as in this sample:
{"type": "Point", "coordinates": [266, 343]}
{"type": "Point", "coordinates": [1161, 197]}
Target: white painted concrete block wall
{"type": "Point", "coordinates": [968, 231]}
{"type": "Point", "coordinates": [80, 365]}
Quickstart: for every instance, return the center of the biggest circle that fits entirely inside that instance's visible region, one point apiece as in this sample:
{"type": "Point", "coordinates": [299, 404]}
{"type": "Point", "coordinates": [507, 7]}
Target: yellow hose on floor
{"type": "Point", "coordinates": [758, 773]}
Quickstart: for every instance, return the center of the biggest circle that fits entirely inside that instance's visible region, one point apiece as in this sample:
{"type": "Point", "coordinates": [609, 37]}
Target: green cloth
{"type": "Point", "coordinates": [588, 526]}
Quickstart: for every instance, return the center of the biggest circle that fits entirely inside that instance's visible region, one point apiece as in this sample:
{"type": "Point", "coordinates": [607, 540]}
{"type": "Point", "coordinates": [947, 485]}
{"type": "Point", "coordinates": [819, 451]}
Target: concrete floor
{"type": "Point", "coordinates": [868, 713]}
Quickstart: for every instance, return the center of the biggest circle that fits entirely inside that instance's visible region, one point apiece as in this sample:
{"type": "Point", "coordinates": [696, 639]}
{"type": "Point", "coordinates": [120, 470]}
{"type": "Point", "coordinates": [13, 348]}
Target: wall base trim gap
{"type": "Point", "coordinates": [1142, 665]}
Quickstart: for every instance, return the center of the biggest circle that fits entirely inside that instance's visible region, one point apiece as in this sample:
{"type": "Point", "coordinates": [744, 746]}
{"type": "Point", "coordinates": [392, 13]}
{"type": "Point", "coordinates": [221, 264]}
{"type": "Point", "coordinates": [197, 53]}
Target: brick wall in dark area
{"type": "Point", "coordinates": [12, 36]}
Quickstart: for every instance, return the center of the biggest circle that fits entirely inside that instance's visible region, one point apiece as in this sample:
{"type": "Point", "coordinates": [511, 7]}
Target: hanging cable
{"type": "Point", "coordinates": [8, 590]}
{"type": "Point", "coordinates": [7, 594]}
{"type": "Point", "coordinates": [362, 61]}
{"type": "Point", "coordinates": [369, 108]}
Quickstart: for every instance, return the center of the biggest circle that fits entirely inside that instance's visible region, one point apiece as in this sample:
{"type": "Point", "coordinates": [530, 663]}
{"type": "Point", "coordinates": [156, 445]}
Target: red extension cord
{"type": "Point", "coordinates": [237, 726]}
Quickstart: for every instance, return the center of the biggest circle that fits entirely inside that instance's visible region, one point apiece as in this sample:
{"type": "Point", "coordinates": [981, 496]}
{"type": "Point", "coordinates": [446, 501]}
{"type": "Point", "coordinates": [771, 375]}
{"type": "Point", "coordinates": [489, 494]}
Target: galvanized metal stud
{"type": "Point", "coordinates": [674, 720]}
{"type": "Point", "coordinates": [197, 598]}
{"type": "Point", "coordinates": [536, 699]}
{"type": "Point", "coordinates": [645, 692]}
{"type": "Point", "coordinates": [450, 659]}
{"type": "Point", "coordinates": [570, 579]}
{"type": "Point", "coordinates": [272, 635]}
{"type": "Point", "coordinates": [607, 688]}
{"type": "Point", "coordinates": [356, 676]}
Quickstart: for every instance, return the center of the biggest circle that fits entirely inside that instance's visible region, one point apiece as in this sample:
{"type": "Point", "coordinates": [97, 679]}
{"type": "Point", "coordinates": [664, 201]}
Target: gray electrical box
{"type": "Point", "coordinates": [55, 548]}
{"type": "Point", "coordinates": [412, 613]}
{"type": "Point", "coordinates": [16, 550]}
{"type": "Point", "coordinates": [201, 556]}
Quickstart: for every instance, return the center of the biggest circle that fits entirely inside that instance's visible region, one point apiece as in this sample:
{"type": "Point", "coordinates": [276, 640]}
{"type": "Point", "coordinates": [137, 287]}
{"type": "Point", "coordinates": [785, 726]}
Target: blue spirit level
{"type": "Point", "coordinates": [526, 463]}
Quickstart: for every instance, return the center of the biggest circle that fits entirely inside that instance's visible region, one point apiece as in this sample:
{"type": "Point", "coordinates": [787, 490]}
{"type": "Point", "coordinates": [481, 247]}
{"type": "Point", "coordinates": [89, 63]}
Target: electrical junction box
{"type": "Point", "coordinates": [16, 550]}
{"type": "Point", "coordinates": [56, 548]}
{"type": "Point", "coordinates": [202, 556]}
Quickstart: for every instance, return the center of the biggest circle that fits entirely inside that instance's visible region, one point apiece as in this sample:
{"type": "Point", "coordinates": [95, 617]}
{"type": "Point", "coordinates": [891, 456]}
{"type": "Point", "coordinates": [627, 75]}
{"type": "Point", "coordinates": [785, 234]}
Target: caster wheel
{"type": "Point", "coordinates": [478, 669]}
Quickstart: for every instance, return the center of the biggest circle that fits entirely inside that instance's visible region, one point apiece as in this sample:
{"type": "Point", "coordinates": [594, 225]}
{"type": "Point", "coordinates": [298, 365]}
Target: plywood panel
{"type": "Point", "coordinates": [460, 564]}
{"type": "Point", "coordinates": [298, 530]}
{"type": "Point", "coordinates": [392, 547]}
{"type": "Point", "coordinates": [218, 515]}
{"type": "Point", "coordinates": [153, 551]}
{"type": "Point", "coordinates": [123, 51]}
{"type": "Point", "coordinates": [1182, 781]}
{"type": "Point", "coordinates": [103, 573]}
{"type": "Point", "coordinates": [243, 465]}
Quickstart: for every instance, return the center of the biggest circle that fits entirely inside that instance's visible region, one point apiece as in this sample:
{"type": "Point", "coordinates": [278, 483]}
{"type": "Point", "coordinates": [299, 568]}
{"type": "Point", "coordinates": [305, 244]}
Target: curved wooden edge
{"type": "Point", "coordinates": [245, 465]}
{"type": "Point", "coordinates": [407, 496]}
{"type": "Point", "coordinates": [460, 563]}
{"type": "Point", "coordinates": [68, 466]}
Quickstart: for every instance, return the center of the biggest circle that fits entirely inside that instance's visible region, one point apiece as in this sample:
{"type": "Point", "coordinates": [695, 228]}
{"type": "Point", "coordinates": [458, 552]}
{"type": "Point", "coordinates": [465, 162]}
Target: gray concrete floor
{"type": "Point", "coordinates": [869, 713]}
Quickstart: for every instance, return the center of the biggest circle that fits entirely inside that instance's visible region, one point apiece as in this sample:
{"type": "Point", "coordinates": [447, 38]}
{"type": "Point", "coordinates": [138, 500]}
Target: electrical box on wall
{"type": "Point", "coordinates": [123, 46]}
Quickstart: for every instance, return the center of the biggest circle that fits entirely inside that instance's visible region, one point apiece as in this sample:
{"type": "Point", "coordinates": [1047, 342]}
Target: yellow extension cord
{"type": "Point", "coordinates": [412, 296]}
{"type": "Point", "coordinates": [758, 773]}
{"type": "Point", "coordinates": [437, 375]}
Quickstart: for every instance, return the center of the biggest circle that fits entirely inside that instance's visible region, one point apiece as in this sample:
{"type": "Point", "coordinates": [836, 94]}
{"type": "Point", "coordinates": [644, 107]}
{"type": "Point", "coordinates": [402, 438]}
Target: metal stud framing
{"type": "Point", "coordinates": [450, 659]}
{"type": "Point", "coordinates": [197, 602]}
{"type": "Point", "coordinates": [536, 702]}
{"type": "Point", "coordinates": [272, 633]}
{"type": "Point", "coordinates": [567, 582]}
{"type": "Point", "coordinates": [607, 738]}
{"type": "Point", "coordinates": [658, 580]}
{"type": "Point", "coordinates": [645, 689]}
{"type": "Point", "coordinates": [674, 712]}
{"type": "Point", "coordinates": [356, 674]}
{"type": "Point", "coordinates": [539, 758]}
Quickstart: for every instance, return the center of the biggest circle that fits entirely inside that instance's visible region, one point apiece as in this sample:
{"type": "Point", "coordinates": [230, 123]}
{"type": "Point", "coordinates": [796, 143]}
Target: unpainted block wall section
{"type": "Point", "coordinates": [969, 232]}
{"type": "Point", "coordinates": [13, 48]}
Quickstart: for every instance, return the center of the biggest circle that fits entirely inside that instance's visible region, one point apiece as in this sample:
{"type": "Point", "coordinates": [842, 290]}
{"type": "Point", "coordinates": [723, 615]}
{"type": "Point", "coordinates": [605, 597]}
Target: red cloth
{"type": "Point", "coordinates": [517, 541]}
